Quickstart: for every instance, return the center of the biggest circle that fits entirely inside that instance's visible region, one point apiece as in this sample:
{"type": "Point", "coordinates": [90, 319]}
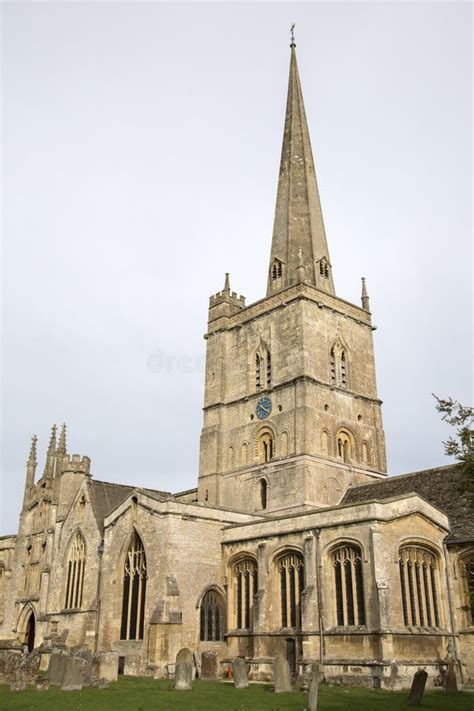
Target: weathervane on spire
{"type": "Point", "coordinates": [292, 33]}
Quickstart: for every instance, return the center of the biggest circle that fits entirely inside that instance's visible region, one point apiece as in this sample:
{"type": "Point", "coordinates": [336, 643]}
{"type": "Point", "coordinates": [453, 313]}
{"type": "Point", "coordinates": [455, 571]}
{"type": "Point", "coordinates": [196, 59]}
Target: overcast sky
{"type": "Point", "coordinates": [141, 144]}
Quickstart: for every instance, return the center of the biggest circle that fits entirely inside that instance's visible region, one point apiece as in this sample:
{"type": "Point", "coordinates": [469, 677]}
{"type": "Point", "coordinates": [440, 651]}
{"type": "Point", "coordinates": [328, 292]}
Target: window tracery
{"type": "Point", "coordinates": [75, 572]}
{"type": "Point", "coordinates": [134, 590]}
{"type": "Point", "coordinates": [349, 587]}
{"type": "Point", "coordinates": [212, 617]}
{"type": "Point", "coordinates": [291, 573]}
{"type": "Point", "coordinates": [419, 586]}
{"type": "Point", "coordinates": [245, 587]}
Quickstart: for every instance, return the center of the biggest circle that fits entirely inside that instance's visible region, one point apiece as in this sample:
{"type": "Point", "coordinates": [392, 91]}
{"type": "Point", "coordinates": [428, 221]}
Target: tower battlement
{"type": "Point", "coordinates": [225, 302]}
{"type": "Point", "coordinates": [76, 463]}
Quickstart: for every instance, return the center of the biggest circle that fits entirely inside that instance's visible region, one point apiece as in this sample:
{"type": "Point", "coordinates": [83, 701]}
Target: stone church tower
{"type": "Point", "coordinates": [291, 413]}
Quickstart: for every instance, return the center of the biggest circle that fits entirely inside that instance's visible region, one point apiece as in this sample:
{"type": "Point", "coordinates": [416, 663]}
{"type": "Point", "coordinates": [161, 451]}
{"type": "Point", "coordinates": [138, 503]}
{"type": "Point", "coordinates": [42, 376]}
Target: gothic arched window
{"type": "Point", "coordinates": [245, 587]}
{"type": "Point", "coordinates": [349, 586]}
{"type": "Point", "coordinates": [212, 617]}
{"type": "Point", "coordinates": [339, 365]}
{"type": "Point", "coordinates": [291, 572]}
{"type": "Point", "coordinates": [467, 573]}
{"type": "Point", "coordinates": [134, 590]}
{"type": "Point", "coordinates": [419, 583]}
{"type": "Point", "coordinates": [75, 572]}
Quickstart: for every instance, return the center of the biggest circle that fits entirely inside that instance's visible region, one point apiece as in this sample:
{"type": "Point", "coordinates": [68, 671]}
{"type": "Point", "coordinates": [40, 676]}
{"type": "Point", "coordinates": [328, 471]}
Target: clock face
{"type": "Point", "coordinates": [264, 407]}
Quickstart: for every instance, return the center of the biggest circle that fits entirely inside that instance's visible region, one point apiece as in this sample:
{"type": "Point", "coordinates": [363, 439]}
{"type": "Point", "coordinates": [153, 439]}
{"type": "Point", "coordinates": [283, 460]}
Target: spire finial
{"type": "Point", "coordinates": [32, 461]}
{"type": "Point", "coordinates": [365, 296]}
{"type": "Point", "coordinates": [227, 282]}
{"type": "Point", "coordinates": [292, 34]}
{"type": "Point", "coordinates": [52, 441]}
{"type": "Point", "coordinates": [62, 440]}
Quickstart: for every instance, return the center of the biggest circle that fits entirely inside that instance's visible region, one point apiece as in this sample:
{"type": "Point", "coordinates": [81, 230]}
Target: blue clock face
{"type": "Point", "coordinates": [264, 407]}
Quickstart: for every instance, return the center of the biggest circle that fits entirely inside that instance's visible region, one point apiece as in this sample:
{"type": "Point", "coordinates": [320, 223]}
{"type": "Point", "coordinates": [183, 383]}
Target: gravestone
{"type": "Point", "coordinates": [74, 673]}
{"type": "Point", "coordinates": [57, 667]}
{"type": "Point", "coordinates": [450, 681]}
{"type": "Point", "coordinates": [314, 688]}
{"type": "Point", "coordinates": [281, 675]}
{"type": "Point", "coordinates": [183, 672]}
{"type": "Point", "coordinates": [239, 671]}
{"type": "Point", "coordinates": [85, 654]}
{"type": "Point", "coordinates": [209, 665]}
{"type": "Point", "coordinates": [417, 688]}
{"type": "Point", "coordinates": [100, 683]}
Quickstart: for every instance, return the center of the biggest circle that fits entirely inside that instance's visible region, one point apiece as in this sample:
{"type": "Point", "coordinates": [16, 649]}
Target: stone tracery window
{"type": "Point", "coordinates": [467, 573]}
{"type": "Point", "coordinates": [349, 586]}
{"type": "Point", "coordinates": [245, 587]}
{"type": "Point", "coordinates": [212, 617]}
{"type": "Point", "coordinates": [134, 590]}
{"type": "Point", "coordinates": [75, 572]}
{"type": "Point", "coordinates": [291, 573]}
{"type": "Point", "coordinates": [339, 365]}
{"type": "Point", "coordinates": [419, 586]}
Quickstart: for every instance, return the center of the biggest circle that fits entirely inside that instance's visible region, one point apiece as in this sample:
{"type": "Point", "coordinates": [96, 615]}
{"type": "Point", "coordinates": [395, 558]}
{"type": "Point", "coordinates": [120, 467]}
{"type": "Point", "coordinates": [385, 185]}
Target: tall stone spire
{"type": "Point", "coordinates": [51, 454]}
{"type": "Point", "coordinates": [62, 447]}
{"type": "Point", "coordinates": [298, 221]}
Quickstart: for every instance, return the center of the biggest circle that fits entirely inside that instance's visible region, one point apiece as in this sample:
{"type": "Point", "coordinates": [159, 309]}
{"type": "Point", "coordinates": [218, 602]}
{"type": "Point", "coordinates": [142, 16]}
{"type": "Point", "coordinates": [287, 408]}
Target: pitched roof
{"type": "Point", "coordinates": [106, 496]}
{"type": "Point", "coordinates": [440, 486]}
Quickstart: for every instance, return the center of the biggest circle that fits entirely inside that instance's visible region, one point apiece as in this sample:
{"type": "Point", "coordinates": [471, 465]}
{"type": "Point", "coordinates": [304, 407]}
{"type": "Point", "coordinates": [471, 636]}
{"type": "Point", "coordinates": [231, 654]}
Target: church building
{"type": "Point", "coordinates": [295, 541]}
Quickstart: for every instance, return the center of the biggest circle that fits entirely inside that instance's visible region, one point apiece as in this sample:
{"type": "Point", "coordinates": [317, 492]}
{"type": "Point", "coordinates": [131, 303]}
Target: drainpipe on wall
{"type": "Point", "coordinates": [100, 550]}
{"type": "Point", "coordinates": [451, 610]}
{"type": "Point", "coordinates": [317, 533]}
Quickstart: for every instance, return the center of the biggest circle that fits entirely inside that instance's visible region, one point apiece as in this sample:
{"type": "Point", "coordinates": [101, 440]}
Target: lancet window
{"type": "Point", "coordinates": [134, 590]}
{"type": "Point", "coordinates": [291, 573]}
{"type": "Point", "coordinates": [349, 586]}
{"type": "Point", "coordinates": [212, 617]}
{"type": "Point", "coordinates": [419, 586]}
{"type": "Point", "coordinates": [245, 587]}
{"type": "Point", "coordinates": [263, 369]}
{"type": "Point", "coordinates": [75, 572]}
{"type": "Point", "coordinates": [324, 268]}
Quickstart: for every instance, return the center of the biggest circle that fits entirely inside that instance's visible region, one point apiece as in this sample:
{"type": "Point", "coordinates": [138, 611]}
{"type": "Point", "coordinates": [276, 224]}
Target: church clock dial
{"type": "Point", "coordinates": [264, 407]}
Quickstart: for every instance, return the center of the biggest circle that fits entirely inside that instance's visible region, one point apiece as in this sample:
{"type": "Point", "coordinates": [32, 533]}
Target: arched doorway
{"type": "Point", "coordinates": [30, 632]}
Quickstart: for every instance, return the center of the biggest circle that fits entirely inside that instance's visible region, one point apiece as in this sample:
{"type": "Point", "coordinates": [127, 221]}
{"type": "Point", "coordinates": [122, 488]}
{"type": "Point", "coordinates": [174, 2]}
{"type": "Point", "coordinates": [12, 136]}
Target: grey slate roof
{"type": "Point", "coordinates": [439, 486]}
{"type": "Point", "coordinates": [105, 497]}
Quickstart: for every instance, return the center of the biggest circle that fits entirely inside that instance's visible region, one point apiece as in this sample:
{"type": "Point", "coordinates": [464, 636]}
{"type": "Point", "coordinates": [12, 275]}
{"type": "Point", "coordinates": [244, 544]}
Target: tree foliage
{"type": "Point", "coordinates": [461, 444]}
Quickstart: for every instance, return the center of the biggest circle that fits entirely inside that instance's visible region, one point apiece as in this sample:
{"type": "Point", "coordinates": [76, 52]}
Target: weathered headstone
{"type": "Point", "coordinates": [183, 676]}
{"type": "Point", "coordinates": [209, 665]}
{"type": "Point", "coordinates": [100, 683]}
{"type": "Point", "coordinates": [85, 654]}
{"type": "Point", "coordinates": [183, 671]}
{"type": "Point", "coordinates": [240, 673]}
{"type": "Point", "coordinates": [281, 675]}
{"type": "Point", "coordinates": [450, 681]}
{"type": "Point", "coordinates": [73, 679]}
{"type": "Point", "coordinates": [314, 689]}
{"type": "Point", "coordinates": [57, 667]}
{"type": "Point", "coordinates": [417, 688]}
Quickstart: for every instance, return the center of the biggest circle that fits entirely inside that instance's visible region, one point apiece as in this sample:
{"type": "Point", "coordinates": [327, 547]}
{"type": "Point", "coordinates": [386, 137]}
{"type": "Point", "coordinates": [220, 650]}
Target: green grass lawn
{"type": "Point", "coordinates": [134, 694]}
